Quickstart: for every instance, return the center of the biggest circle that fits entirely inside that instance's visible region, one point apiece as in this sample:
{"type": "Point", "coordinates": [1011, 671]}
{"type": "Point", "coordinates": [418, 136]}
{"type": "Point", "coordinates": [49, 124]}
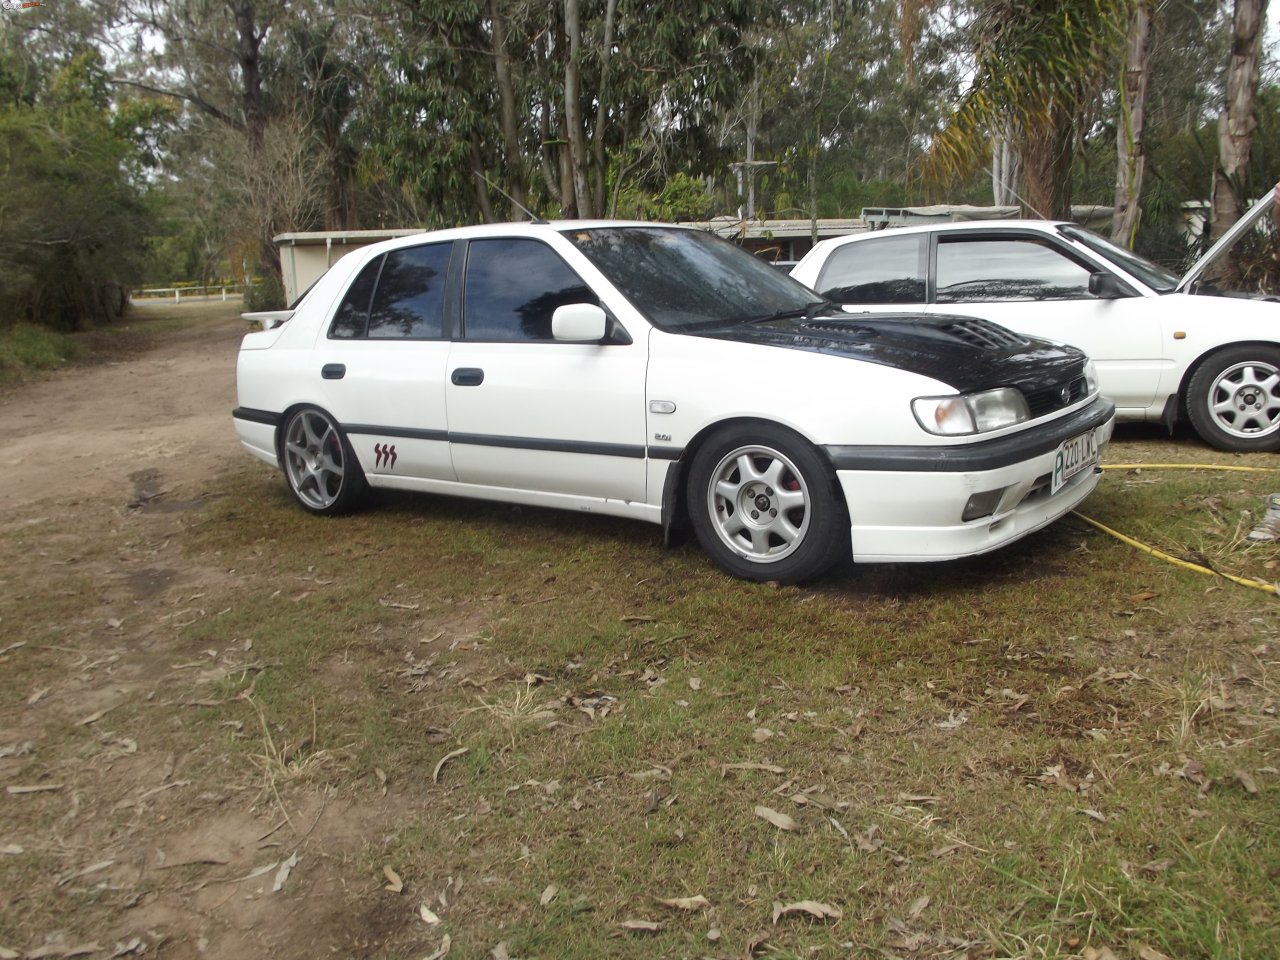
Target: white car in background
{"type": "Point", "coordinates": [663, 374]}
{"type": "Point", "coordinates": [1165, 348]}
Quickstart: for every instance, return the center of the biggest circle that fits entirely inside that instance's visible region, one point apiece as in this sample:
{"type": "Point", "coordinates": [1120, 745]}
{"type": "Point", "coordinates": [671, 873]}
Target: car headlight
{"type": "Point", "coordinates": [971, 412]}
{"type": "Point", "coordinates": [1090, 378]}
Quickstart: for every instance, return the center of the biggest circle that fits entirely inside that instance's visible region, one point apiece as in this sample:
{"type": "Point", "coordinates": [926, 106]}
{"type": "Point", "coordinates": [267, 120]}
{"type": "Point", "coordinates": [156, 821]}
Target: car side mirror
{"type": "Point", "coordinates": [579, 323]}
{"type": "Point", "coordinates": [1105, 286]}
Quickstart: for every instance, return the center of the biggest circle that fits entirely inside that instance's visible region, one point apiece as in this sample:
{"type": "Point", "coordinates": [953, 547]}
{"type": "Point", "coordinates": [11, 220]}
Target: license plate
{"type": "Point", "coordinates": [1072, 456]}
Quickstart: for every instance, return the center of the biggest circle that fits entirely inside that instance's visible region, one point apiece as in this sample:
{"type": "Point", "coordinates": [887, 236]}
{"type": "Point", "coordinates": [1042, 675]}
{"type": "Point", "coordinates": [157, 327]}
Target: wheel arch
{"type": "Point", "coordinates": [1184, 387]}
{"type": "Point", "coordinates": [286, 414]}
{"type": "Point", "coordinates": [676, 525]}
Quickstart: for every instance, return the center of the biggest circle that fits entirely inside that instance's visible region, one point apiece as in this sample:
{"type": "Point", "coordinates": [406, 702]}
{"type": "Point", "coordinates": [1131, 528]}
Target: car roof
{"type": "Point", "coordinates": [1042, 226]}
{"type": "Point", "coordinates": [517, 228]}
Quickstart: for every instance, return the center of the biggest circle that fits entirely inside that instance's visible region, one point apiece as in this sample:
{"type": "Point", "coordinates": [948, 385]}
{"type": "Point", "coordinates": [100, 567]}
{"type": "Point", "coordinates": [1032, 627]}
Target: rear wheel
{"type": "Point", "coordinates": [765, 506]}
{"type": "Point", "coordinates": [323, 473]}
{"type": "Point", "coordinates": [1233, 399]}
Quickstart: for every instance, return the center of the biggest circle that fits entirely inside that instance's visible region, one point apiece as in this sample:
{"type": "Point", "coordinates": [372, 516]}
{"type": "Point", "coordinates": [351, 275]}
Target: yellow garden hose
{"type": "Point", "coordinates": [1185, 564]}
{"type": "Point", "coordinates": [1187, 466]}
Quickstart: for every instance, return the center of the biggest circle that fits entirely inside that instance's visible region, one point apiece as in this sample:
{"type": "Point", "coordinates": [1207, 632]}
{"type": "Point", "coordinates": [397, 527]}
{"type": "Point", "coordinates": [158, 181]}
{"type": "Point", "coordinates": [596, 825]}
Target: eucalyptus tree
{"type": "Point", "coordinates": [1237, 121]}
{"type": "Point", "coordinates": [554, 103]}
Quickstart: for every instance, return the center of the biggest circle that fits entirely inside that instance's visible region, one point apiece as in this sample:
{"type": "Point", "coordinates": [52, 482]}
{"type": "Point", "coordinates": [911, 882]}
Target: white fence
{"type": "Point", "coordinates": [188, 292]}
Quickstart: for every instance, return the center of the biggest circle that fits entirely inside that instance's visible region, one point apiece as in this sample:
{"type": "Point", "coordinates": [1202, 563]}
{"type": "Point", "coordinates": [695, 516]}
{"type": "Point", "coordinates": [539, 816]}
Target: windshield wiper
{"type": "Point", "coordinates": [807, 312]}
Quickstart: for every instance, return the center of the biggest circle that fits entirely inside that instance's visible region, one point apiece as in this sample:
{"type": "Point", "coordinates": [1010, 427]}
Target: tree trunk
{"type": "Point", "coordinates": [578, 156]}
{"type": "Point", "coordinates": [1237, 121]}
{"type": "Point", "coordinates": [249, 55]}
{"type": "Point", "coordinates": [1005, 170]}
{"type": "Point", "coordinates": [602, 93]}
{"type": "Point", "coordinates": [1047, 152]}
{"type": "Point", "coordinates": [515, 181]}
{"type": "Point", "coordinates": [1131, 154]}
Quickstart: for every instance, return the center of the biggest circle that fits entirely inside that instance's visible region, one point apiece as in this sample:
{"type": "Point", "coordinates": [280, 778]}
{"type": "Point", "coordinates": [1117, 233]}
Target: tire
{"type": "Point", "coordinates": [1233, 399]}
{"type": "Point", "coordinates": [765, 506]}
{"type": "Point", "coordinates": [323, 473]}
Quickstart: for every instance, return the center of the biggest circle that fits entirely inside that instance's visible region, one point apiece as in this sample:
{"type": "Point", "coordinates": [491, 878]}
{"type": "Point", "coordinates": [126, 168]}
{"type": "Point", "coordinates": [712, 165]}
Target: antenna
{"type": "Point", "coordinates": [533, 217]}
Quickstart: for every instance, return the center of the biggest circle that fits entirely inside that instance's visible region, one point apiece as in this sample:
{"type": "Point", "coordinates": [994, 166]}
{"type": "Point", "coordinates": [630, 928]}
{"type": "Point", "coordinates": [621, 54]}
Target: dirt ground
{"type": "Point", "coordinates": [135, 839]}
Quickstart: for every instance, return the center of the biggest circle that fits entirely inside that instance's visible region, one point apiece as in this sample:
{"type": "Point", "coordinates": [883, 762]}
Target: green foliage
{"type": "Point", "coordinates": [265, 294]}
{"type": "Point", "coordinates": [26, 347]}
{"type": "Point", "coordinates": [72, 226]}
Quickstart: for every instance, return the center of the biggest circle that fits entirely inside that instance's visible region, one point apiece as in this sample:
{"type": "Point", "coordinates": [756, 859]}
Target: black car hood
{"type": "Point", "coordinates": [966, 353]}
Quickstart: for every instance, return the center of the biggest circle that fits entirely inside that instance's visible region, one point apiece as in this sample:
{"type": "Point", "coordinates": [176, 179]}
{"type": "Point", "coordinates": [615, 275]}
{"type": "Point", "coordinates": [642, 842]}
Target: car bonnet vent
{"type": "Point", "coordinates": [846, 328]}
{"type": "Point", "coordinates": [985, 334]}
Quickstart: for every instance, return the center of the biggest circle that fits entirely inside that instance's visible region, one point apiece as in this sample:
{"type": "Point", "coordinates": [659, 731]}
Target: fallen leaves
{"type": "Point", "coordinates": [1245, 779]}
{"type": "Point", "coordinates": [34, 788]}
{"type": "Point", "coordinates": [394, 883]}
{"type": "Point", "coordinates": [763, 767]}
{"type": "Point", "coordinates": [819, 911]}
{"type": "Point", "coordinates": [282, 875]}
{"type": "Point", "coordinates": [548, 894]}
{"type": "Point", "coordinates": [452, 755]}
{"type": "Point", "coordinates": [779, 820]}
{"type": "Point", "coordinates": [443, 951]}
{"type": "Point", "coordinates": [686, 903]}
{"type": "Point", "coordinates": [641, 926]}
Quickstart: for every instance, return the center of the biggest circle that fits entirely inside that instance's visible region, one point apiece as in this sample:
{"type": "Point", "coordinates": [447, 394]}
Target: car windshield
{"type": "Point", "coordinates": [1155, 277]}
{"type": "Point", "coordinates": [684, 280]}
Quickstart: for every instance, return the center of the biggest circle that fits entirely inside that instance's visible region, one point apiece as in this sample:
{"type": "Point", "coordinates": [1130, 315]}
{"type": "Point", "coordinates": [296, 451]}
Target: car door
{"type": "Point", "coordinates": [526, 411]}
{"type": "Point", "coordinates": [382, 364]}
{"type": "Point", "coordinates": [1029, 283]}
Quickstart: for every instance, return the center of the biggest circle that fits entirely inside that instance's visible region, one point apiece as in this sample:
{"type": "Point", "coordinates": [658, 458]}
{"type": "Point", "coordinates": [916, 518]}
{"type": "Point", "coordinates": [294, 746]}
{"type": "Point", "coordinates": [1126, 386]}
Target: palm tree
{"type": "Point", "coordinates": [1040, 69]}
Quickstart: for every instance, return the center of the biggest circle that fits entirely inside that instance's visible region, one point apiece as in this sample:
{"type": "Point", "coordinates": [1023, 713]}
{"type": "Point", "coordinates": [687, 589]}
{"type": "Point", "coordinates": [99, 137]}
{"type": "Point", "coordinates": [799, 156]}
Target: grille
{"type": "Point", "coordinates": [1049, 399]}
{"type": "Point", "coordinates": [984, 334]}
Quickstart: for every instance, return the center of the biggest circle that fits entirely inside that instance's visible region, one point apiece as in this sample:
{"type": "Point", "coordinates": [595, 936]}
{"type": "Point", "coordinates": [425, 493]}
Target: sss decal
{"type": "Point", "coordinates": [386, 456]}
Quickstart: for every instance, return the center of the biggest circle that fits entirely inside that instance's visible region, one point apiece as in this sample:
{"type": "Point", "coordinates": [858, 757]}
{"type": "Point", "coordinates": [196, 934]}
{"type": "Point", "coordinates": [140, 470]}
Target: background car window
{"type": "Point", "coordinates": [972, 271]}
{"type": "Point", "coordinates": [352, 317]}
{"type": "Point", "coordinates": [409, 300]}
{"type": "Point", "coordinates": [512, 288]}
{"type": "Point", "coordinates": [891, 270]}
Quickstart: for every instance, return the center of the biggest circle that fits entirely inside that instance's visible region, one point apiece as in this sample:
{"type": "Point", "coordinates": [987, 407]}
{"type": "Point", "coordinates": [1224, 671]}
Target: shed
{"type": "Point", "coordinates": [304, 257]}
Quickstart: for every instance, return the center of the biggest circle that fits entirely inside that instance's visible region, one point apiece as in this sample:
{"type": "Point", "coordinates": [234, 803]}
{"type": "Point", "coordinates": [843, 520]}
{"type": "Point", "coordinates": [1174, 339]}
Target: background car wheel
{"type": "Point", "coordinates": [323, 473]}
{"type": "Point", "coordinates": [765, 506]}
{"type": "Point", "coordinates": [1233, 399]}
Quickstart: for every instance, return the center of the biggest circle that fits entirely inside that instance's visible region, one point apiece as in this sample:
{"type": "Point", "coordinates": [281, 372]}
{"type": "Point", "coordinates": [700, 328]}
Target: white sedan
{"type": "Point", "coordinates": [660, 373]}
{"type": "Point", "coordinates": [1166, 348]}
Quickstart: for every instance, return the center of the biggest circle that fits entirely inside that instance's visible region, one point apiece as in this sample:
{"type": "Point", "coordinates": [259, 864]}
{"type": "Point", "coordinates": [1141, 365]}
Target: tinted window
{"type": "Point", "coordinates": [891, 270]}
{"type": "Point", "coordinates": [977, 270]}
{"type": "Point", "coordinates": [352, 317]}
{"type": "Point", "coordinates": [409, 301]}
{"type": "Point", "coordinates": [513, 286]}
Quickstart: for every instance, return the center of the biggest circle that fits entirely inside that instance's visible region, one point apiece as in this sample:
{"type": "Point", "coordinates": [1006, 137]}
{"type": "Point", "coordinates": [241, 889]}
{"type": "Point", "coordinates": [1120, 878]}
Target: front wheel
{"type": "Point", "coordinates": [1233, 399]}
{"type": "Point", "coordinates": [765, 506]}
{"type": "Point", "coordinates": [323, 473]}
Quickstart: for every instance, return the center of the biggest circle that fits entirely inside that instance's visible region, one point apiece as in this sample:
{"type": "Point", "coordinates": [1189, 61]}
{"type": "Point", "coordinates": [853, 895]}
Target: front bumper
{"type": "Point", "coordinates": [906, 504]}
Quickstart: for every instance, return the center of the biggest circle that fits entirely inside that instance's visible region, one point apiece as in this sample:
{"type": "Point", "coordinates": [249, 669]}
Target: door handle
{"type": "Point", "coordinates": [467, 377]}
{"type": "Point", "coordinates": [333, 371]}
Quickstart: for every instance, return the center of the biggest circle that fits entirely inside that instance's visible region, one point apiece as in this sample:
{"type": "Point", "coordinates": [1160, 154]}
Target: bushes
{"type": "Point", "coordinates": [27, 347]}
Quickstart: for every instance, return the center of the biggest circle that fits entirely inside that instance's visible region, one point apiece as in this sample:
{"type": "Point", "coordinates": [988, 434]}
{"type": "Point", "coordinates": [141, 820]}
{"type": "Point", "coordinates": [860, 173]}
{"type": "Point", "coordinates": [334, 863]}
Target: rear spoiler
{"type": "Point", "coordinates": [267, 319]}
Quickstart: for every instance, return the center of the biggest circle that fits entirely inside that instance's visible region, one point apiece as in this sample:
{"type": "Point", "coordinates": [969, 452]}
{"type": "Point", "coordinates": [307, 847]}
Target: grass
{"type": "Point", "coordinates": [1029, 754]}
{"type": "Point", "coordinates": [26, 348]}
{"type": "Point", "coordinates": [960, 719]}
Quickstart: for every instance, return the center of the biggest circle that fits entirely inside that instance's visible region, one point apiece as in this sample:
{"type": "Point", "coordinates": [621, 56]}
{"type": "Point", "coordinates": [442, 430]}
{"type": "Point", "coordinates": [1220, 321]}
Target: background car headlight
{"type": "Point", "coordinates": [971, 413]}
{"type": "Point", "coordinates": [1090, 378]}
